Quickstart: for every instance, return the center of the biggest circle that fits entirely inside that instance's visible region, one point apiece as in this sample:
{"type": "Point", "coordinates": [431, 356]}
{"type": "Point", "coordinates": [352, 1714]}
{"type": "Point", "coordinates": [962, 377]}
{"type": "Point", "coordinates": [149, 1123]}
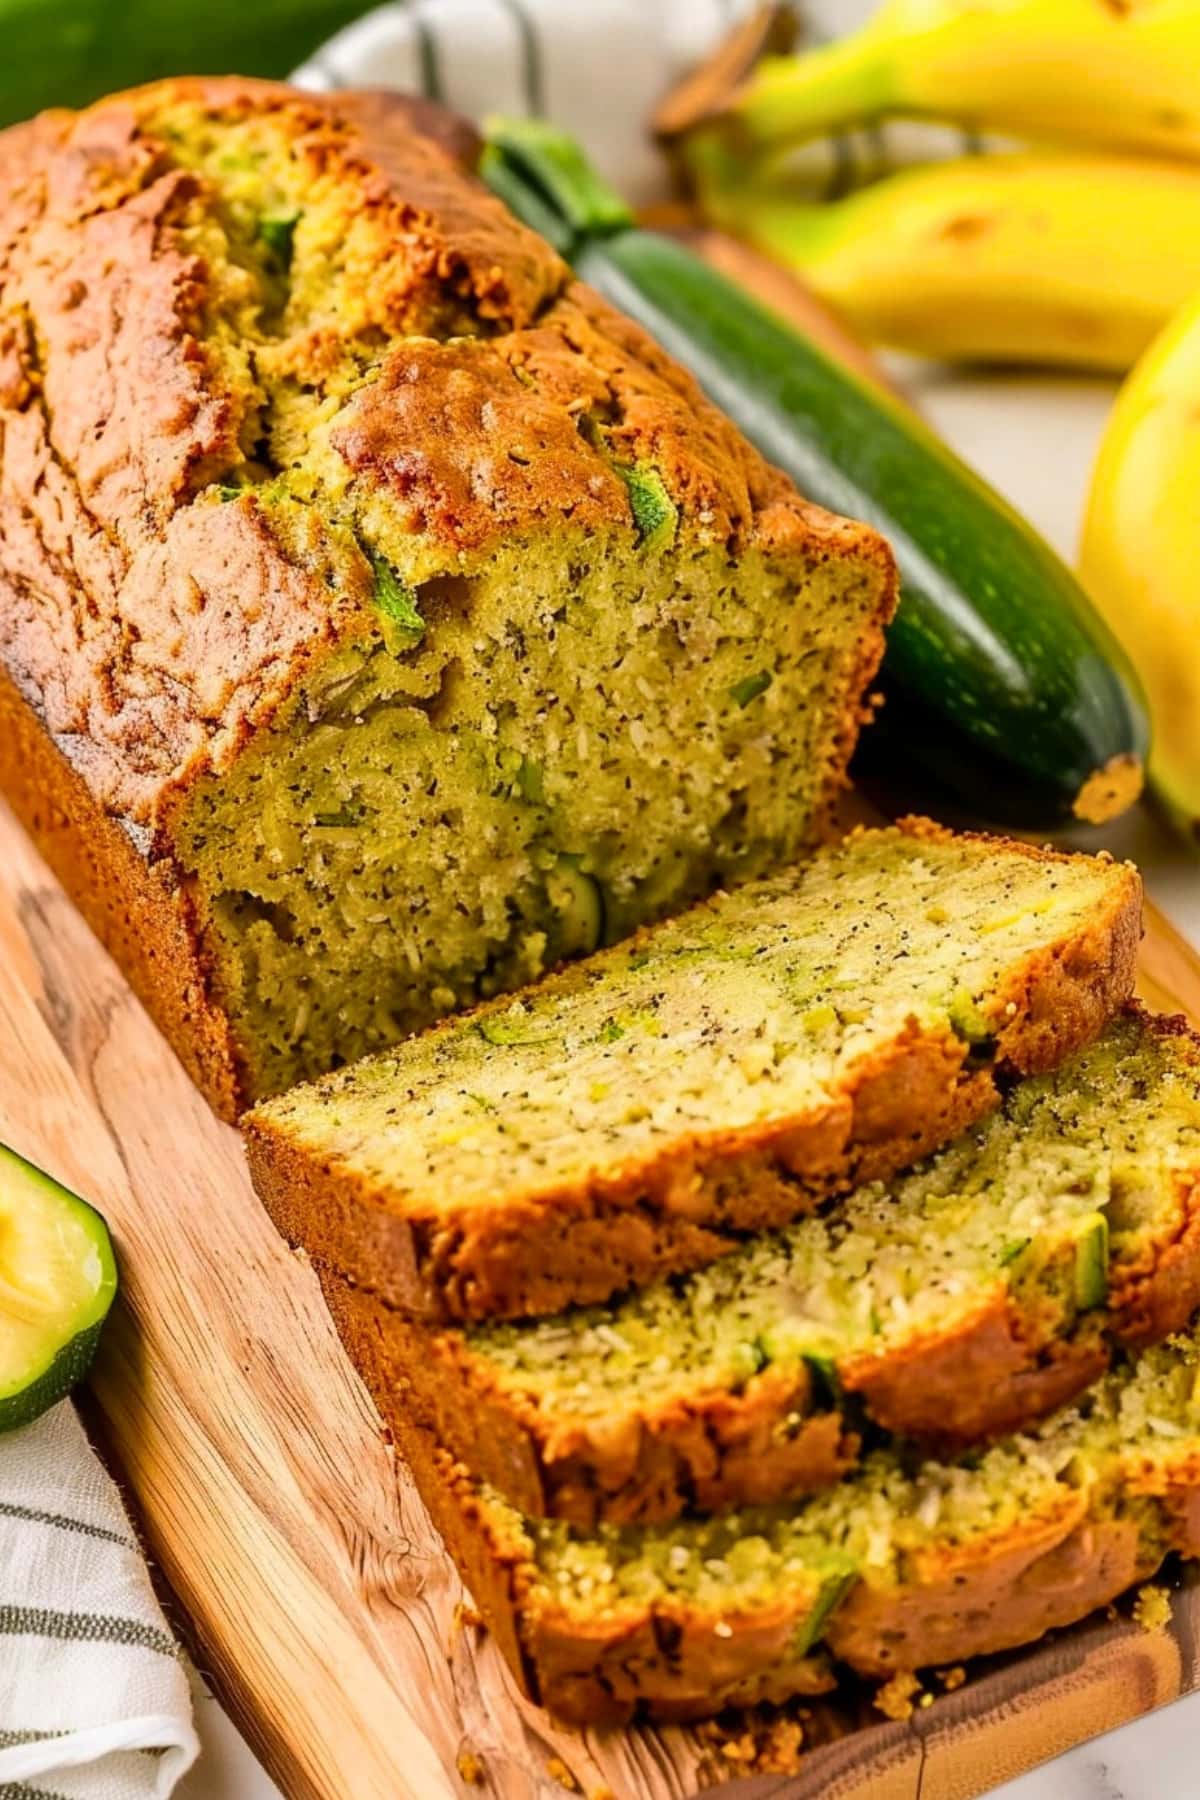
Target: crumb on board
{"type": "Point", "coordinates": [895, 1699]}
{"type": "Point", "coordinates": [952, 1679]}
{"type": "Point", "coordinates": [463, 1618]}
{"type": "Point", "coordinates": [764, 1746]}
{"type": "Point", "coordinates": [1152, 1608]}
{"type": "Point", "coordinates": [558, 1771]}
{"type": "Point", "coordinates": [781, 1749]}
{"type": "Point", "coordinates": [470, 1768]}
{"type": "Point", "coordinates": [604, 1793]}
{"type": "Point", "coordinates": [738, 1749]}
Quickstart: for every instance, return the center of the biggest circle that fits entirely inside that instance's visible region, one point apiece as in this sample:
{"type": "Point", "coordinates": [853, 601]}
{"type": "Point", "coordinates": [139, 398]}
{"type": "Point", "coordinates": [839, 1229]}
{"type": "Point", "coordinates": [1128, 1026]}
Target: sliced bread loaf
{"type": "Point", "coordinates": [903, 1564]}
{"type": "Point", "coordinates": [383, 618]}
{"type": "Point", "coordinates": [965, 1299]}
{"type": "Point", "coordinates": [716, 1075]}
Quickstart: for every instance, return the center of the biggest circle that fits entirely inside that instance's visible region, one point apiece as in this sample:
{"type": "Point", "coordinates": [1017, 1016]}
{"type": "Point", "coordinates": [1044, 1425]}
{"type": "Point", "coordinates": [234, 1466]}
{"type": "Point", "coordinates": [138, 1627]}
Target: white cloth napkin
{"type": "Point", "coordinates": [94, 1697]}
{"type": "Point", "coordinates": [597, 68]}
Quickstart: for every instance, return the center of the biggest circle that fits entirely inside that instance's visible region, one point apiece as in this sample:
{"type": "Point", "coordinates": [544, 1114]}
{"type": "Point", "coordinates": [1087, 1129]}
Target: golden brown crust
{"type": "Point", "coordinates": [663, 1661]}
{"type": "Point", "coordinates": [151, 635]}
{"type": "Point", "coordinates": [134, 906]}
{"type": "Point", "coordinates": [161, 634]}
{"type": "Point", "coordinates": [713, 1451]}
{"type": "Point", "coordinates": [995, 1370]}
{"type": "Point", "coordinates": [991, 1594]}
{"type": "Point", "coordinates": [986, 1375]}
{"type": "Point", "coordinates": [434, 230]}
{"type": "Point", "coordinates": [155, 634]}
{"type": "Point", "coordinates": [152, 632]}
{"type": "Point", "coordinates": [463, 446]}
{"type": "Point", "coordinates": [693, 1200]}
{"type": "Point", "coordinates": [483, 437]}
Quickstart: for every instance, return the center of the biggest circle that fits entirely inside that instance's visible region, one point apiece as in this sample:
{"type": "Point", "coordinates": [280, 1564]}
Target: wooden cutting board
{"type": "Point", "coordinates": [312, 1586]}
{"type": "Point", "coordinates": [309, 1582]}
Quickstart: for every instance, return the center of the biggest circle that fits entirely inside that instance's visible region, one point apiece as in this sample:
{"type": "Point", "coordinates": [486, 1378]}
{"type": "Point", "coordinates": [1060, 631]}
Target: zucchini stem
{"type": "Point", "coordinates": [546, 179]}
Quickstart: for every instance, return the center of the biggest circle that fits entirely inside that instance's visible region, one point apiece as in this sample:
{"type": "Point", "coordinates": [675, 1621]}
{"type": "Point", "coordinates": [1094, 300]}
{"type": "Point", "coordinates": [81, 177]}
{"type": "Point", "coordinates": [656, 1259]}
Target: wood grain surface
{"type": "Point", "coordinates": [317, 1595]}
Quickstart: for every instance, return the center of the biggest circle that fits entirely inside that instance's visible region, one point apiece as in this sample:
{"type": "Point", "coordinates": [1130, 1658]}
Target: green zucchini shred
{"type": "Point", "coordinates": [743, 692]}
{"type": "Point", "coordinates": [655, 514]}
{"type": "Point", "coordinates": [397, 605]}
{"type": "Point", "coordinates": [277, 231]}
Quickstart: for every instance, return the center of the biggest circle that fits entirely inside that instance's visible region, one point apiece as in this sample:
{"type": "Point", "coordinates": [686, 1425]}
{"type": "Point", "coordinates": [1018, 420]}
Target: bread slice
{"type": "Point", "coordinates": [383, 618]}
{"type": "Point", "coordinates": [716, 1075]}
{"type": "Point", "coordinates": [903, 1564]}
{"type": "Point", "coordinates": [962, 1300]}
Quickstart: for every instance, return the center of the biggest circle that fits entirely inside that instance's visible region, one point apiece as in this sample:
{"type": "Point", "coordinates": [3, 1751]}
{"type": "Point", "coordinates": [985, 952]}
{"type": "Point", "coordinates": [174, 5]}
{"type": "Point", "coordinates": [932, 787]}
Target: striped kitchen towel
{"type": "Point", "coordinates": [94, 1697]}
{"type": "Point", "coordinates": [597, 68]}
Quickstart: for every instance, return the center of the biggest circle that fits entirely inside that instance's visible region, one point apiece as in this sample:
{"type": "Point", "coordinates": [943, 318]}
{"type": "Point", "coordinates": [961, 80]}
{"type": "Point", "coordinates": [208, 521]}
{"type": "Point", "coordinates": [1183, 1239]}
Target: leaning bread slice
{"type": "Point", "coordinates": [903, 1564]}
{"type": "Point", "coordinates": [964, 1299]}
{"type": "Point", "coordinates": [715, 1075]}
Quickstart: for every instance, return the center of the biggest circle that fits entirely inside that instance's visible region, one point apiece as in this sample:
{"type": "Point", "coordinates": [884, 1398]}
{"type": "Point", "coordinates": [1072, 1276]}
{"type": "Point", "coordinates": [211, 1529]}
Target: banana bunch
{"type": "Point", "coordinates": [1074, 256]}
{"type": "Point", "coordinates": [1034, 257]}
{"type": "Point", "coordinates": [1140, 554]}
{"type": "Point", "coordinates": [1082, 249]}
{"type": "Point", "coordinates": [1119, 72]}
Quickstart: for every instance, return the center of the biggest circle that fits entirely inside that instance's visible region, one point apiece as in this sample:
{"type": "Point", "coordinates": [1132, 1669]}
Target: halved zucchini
{"type": "Point", "coordinates": [58, 1277]}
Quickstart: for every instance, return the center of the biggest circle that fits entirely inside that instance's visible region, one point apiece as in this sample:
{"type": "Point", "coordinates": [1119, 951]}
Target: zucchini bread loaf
{"type": "Point", "coordinates": [903, 1564]}
{"type": "Point", "coordinates": [383, 618]}
{"type": "Point", "coordinates": [717, 1074]}
{"type": "Point", "coordinates": [962, 1300]}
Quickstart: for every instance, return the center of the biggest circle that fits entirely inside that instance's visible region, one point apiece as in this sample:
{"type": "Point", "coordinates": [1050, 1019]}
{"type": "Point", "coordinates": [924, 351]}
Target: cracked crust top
{"type": "Point", "coordinates": [152, 631]}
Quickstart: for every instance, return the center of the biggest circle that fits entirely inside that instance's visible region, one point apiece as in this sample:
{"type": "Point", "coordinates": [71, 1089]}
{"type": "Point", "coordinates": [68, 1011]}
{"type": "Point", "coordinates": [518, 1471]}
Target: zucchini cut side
{"type": "Point", "coordinates": [58, 1277]}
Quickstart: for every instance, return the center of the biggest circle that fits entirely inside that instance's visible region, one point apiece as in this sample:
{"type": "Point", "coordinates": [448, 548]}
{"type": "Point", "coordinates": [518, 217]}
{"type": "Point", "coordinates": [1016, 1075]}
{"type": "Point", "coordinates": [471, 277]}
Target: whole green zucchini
{"type": "Point", "coordinates": [67, 52]}
{"type": "Point", "coordinates": [1005, 692]}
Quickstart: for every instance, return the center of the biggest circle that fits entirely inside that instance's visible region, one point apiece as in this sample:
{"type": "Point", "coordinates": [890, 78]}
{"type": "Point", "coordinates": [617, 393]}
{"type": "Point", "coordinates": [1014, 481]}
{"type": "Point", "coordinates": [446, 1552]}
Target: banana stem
{"type": "Point", "coordinates": [755, 208]}
{"type": "Point", "coordinates": [790, 99]}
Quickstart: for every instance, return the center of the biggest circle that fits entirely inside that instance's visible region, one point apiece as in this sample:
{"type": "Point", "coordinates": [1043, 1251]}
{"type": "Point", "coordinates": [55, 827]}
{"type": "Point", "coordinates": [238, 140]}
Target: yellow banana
{"type": "Point", "coordinates": [1118, 72]}
{"type": "Point", "coordinates": [1140, 555]}
{"type": "Point", "coordinates": [1033, 257]}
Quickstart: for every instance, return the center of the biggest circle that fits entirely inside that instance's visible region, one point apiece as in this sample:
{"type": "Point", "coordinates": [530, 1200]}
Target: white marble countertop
{"type": "Point", "coordinates": [1034, 438]}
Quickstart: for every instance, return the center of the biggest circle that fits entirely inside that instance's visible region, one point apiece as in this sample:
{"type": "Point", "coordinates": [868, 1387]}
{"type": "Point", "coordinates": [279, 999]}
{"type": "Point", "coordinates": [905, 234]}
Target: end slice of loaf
{"type": "Point", "coordinates": [902, 1565]}
{"type": "Point", "coordinates": [713, 1076]}
{"type": "Point", "coordinates": [965, 1299]}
